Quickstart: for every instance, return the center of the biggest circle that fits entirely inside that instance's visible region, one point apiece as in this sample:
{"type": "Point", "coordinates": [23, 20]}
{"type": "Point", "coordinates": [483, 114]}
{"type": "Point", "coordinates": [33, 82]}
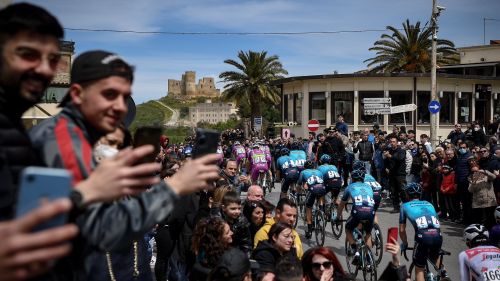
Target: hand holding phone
{"type": "Point", "coordinates": [392, 233]}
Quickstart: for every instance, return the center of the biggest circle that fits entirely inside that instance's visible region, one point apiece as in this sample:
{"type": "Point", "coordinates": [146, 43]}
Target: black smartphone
{"type": "Point", "coordinates": [148, 135]}
{"type": "Point", "coordinates": [206, 142]}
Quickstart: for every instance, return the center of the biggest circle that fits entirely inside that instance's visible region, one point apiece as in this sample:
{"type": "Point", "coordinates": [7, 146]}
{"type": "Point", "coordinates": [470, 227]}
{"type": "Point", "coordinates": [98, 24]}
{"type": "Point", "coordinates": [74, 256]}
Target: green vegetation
{"type": "Point", "coordinates": [178, 134]}
{"type": "Point", "coordinates": [251, 82]}
{"type": "Point", "coordinates": [221, 126]}
{"type": "Point", "coordinates": [150, 113]}
{"type": "Point", "coordinates": [409, 51]}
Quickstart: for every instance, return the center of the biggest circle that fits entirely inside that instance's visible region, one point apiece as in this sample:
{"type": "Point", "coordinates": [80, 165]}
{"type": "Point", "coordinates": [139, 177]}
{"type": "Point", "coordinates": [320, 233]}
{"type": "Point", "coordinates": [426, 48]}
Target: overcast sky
{"type": "Point", "coordinates": [159, 57]}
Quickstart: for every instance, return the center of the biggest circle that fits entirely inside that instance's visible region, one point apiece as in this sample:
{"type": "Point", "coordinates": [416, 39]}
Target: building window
{"type": "Point", "coordinates": [317, 106]}
{"type": "Point", "coordinates": [291, 107]}
{"type": "Point", "coordinates": [423, 114]}
{"type": "Point", "coordinates": [400, 98]}
{"type": "Point", "coordinates": [464, 107]}
{"type": "Point", "coordinates": [446, 113]}
{"type": "Point", "coordinates": [298, 109]}
{"type": "Point", "coordinates": [369, 119]}
{"type": "Point", "coordinates": [342, 103]}
{"type": "Point", "coordinates": [285, 108]}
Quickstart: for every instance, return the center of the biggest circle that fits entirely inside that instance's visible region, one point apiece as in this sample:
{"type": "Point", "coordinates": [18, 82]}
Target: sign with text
{"type": "Point", "coordinates": [376, 111]}
{"type": "Point", "coordinates": [403, 108]}
{"type": "Point", "coordinates": [377, 100]}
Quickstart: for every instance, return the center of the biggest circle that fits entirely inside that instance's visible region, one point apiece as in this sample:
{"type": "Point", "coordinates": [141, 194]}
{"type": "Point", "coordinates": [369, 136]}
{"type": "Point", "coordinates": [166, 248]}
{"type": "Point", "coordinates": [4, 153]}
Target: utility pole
{"type": "Point", "coordinates": [436, 10]}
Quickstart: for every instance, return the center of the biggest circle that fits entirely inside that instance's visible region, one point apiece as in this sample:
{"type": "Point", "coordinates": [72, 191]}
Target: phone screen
{"type": "Point", "coordinates": [392, 233]}
{"type": "Point", "coordinates": [148, 135]}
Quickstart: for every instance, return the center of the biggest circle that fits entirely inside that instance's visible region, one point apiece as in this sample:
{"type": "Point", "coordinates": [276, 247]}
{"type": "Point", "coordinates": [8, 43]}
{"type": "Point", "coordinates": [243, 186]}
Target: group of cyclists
{"type": "Point", "coordinates": [288, 164]}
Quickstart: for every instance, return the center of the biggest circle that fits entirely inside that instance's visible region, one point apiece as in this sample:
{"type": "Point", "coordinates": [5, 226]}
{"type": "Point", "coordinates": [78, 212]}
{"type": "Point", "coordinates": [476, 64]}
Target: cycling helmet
{"type": "Point", "coordinates": [357, 165]}
{"type": "Point", "coordinates": [255, 145]}
{"type": "Point", "coordinates": [476, 234]}
{"type": "Point", "coordinates": [497, 214]}
{"type": "Point", "coordinates": [358, 174]}
{"type": "Point", "coordinates": [325, 159]}
{"type": "Point", "coordinates": [413, 189]}
{"type": "Point", "coordinates": [309, 164]}
{"type": "Point", "coordinates": [284, 151]}
{"type": "Point", "coordinates": [295, 146]}
{"type": "Point", "coordinates": [236, 143]}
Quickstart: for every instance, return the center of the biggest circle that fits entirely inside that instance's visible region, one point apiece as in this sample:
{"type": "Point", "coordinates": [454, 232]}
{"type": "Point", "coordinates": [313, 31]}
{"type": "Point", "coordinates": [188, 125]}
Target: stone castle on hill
{"type": "Point", "coordinates": [188, 88]}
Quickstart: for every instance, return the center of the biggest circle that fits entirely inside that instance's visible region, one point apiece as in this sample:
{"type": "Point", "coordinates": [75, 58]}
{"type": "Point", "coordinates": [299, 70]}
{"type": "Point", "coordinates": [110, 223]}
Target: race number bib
{"type": "Point", "coordinates": [333, 174]}
{"type": "Point", "coordinates": [314, 180]}
{"type": "Point", "coordinates": [422, 222]}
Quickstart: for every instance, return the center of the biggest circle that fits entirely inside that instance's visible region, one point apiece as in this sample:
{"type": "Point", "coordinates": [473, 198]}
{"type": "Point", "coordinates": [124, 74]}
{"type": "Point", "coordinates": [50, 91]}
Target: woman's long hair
{"type": "Point", "coordinates": [325, 252]}
{"type": "Point", "coordinates": [248, 209]}
{"type": "Point", "coordinates": [208, 240]}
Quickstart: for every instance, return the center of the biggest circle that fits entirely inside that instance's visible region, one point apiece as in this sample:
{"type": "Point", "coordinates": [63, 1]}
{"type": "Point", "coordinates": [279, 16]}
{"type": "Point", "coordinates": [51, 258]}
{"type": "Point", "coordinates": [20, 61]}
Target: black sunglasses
{"type": "Point", "coordinates": [326, 265]}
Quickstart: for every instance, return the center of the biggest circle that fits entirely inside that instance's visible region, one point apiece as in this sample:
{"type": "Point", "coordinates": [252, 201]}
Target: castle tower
{"type": "Point", "coordinates": [189, 82]}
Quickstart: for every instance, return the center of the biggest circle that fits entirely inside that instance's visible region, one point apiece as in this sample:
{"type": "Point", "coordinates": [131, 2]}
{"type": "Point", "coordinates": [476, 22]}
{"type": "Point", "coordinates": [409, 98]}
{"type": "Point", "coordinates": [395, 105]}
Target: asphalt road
{"type": "Point", "coordinates": [452, 234]}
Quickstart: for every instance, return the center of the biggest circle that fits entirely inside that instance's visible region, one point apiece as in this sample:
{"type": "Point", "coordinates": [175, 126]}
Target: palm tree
{"type": "Point", "coordinates": [252, 82]}
{"type": "Point", "coordinates": [409, 51]}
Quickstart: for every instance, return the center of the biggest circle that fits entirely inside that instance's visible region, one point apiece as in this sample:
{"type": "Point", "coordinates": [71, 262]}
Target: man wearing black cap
{"type": "Point", "coordinates": [94, 106]}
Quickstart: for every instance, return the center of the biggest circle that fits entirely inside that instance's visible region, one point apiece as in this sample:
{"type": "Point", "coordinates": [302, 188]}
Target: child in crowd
{"type": "Point", "coordinates": [231, 212]}
{"type": "Point", "coordinates": [449, 190]}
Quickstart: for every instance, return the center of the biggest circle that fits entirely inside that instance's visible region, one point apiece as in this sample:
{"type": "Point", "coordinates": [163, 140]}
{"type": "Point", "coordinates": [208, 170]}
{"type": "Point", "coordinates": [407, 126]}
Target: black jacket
{"type": "Point", "coordinates": [16, 151]}
{"type": "Point", "coordinates": [454, 136]}
{"type": "Point", "coordinates": [241, 234]}
{"type": "Point", "coordinates": [365, 149]}
{"type": "Point", "coordinates": [267, 256]}
{"type": "Point", "coordinates": [397, 164]}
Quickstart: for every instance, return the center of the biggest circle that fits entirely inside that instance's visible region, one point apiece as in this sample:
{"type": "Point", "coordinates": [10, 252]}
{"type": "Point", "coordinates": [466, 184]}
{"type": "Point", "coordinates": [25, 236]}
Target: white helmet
{"type": "Point", "coordinates": [497, 214]}
{"type": "Point", "coordinates": [476, 234]}
{"type": "Point", "coordinates": [236, 143]}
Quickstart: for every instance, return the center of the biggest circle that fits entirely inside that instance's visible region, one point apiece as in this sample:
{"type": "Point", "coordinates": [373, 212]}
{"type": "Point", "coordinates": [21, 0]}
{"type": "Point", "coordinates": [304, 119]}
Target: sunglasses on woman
{"type": "Point", "coordinates": [326, 265]}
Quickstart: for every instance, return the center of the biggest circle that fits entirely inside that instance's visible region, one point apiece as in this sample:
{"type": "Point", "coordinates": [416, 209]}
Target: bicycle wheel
{"type": "Point", "coordinates": [353, 269]}
{"type": "Point", "coordinates": [337, 228]}
{"type": "Point", "coordinates": [319, 228]}
{"type": "Point", "coordinates": [378, 243]}
{"type": "Point", "coordinates": [301, 203]}
{"type": "Point", "coordinates": [369, 266]}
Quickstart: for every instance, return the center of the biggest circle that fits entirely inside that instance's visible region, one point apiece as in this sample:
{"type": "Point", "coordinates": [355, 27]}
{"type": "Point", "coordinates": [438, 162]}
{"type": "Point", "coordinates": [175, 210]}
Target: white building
{"type": "Point", "coordinates": [212, 113]}
{"type": "Point", "coordinates": [467, 92]}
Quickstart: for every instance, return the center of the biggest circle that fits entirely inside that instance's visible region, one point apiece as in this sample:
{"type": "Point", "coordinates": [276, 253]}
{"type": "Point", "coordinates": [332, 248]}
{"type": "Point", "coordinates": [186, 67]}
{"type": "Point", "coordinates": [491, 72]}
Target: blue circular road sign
{"type": "Point", "coordinates": [434, 106]}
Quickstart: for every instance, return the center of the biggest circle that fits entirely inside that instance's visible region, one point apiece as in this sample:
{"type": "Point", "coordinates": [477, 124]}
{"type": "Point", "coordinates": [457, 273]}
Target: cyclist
{"type": "Point", "coordinates": [258, 162]}
{"type": "Point", "coordinates": [362, 211]}
{"type": "Point", "coordinates": [495, 230]}
{"type": "Point", "coordinates": [480, 262]}
{"type": "Point", "coordinates": [288, 171]}
{"type": "Point", "coordinates": [428, 239]}
{"type": "Point", "coordinates": [298, 155]}
{"type": "Point", "coordinates": [312, 181]}
{"type": "Point", "coordinates": [264, 146]}
{"type": "Point", "coordinates": [239, 153]}
{"type": "Point", "coordinates": [187, 151]}
{"type": "Point", "coordinates": [331, 176]}
{"type": "Point", "coordinates": [377, 192]}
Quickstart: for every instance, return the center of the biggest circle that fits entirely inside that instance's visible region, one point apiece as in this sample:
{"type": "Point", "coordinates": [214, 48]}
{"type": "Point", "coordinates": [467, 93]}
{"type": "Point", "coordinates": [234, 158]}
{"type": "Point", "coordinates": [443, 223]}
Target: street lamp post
{"type": "Point", "coordinates": [436, 10]}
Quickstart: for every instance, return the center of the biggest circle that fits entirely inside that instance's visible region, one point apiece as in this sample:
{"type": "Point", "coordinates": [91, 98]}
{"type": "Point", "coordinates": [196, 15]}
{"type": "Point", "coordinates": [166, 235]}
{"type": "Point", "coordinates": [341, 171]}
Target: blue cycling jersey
{"type": "Point", "coordinates": [310, 177]}
{"type": "Point", "coordinates": [421, 214]}
{"type": "Point", "coordinates": [298, 158]}
{"type": "Point", "coordinates": [329, 172]}
{"type": "Point", "coordinates": [370, 180]}
{"type": "Point", "coordinates": [284, 163]}
{"type": "Point", "coordinates": [361, 195]}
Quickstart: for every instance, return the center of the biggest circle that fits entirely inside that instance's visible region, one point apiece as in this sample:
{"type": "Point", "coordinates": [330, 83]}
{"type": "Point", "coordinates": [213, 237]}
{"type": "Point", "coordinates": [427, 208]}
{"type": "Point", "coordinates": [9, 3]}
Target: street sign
{"type": "Point", "coordinates": [434, 106]}
{"type": "Point", "coordinates": [377, 100]}
{"type": "Point", "coordinates": [285, 133]}
{"type": "Point", "coordinates": [403, 108]}
{"type": "Point", "coordinates": [313, 125]}
{"type": "Point", "coordinates": [257, 122]}
{"type": "Point", "coordinates": [376, 105]}
{"type": "Point", "coordinates": [376, 111]}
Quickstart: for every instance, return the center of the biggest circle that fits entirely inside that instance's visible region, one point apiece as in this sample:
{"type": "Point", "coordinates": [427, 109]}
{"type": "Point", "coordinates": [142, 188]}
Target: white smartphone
{"type": "Point", "coordinates": [40, 185]}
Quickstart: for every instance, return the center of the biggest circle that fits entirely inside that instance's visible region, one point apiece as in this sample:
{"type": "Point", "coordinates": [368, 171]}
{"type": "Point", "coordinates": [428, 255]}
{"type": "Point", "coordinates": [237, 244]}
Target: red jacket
{"type": "Point", "coordinates": [448, 185]}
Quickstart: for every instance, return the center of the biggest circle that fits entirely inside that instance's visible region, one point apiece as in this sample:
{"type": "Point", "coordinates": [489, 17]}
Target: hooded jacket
{"type": "Point", "coordinates": [66, 141]}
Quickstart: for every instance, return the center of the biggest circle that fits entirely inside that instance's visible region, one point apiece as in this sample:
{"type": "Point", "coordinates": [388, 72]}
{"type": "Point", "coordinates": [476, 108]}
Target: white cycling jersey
{"type": "Point", "coordinates": [480, 264]}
